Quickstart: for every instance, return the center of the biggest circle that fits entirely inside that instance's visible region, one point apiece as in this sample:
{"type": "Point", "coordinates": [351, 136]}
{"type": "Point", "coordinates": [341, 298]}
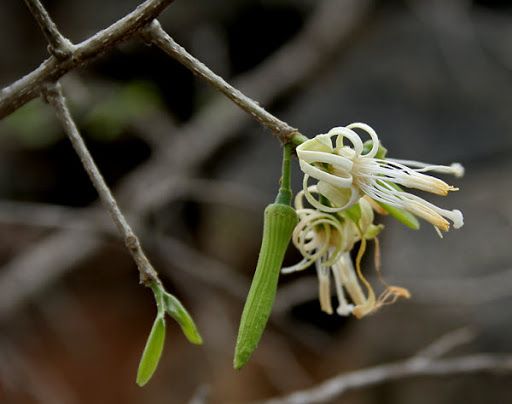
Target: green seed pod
{"type": "Point", "coordinates": [280, 220]}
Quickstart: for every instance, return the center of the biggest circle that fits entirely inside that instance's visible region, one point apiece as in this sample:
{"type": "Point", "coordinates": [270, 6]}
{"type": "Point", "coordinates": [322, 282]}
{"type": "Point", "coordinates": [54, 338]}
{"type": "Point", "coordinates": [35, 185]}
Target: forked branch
{"type": "Point", "coordinates": [52, 69]}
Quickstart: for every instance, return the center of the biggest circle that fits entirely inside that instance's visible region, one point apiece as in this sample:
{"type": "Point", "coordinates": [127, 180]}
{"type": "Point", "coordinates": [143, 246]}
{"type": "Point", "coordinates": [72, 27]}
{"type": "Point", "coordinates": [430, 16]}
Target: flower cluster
{"type": "Point", "coordinates": [354, 179]}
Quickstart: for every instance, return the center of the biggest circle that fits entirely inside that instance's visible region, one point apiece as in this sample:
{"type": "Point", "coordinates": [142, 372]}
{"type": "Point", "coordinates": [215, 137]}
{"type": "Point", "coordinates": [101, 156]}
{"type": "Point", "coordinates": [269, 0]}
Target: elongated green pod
{"type": "Point", "coordinates": [152, 351]}
{"type": "Point", "coordinates": [279, 223]}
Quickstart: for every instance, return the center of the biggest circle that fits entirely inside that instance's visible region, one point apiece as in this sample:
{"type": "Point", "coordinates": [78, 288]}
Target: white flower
{"type": "Point", "coordinates": [345, 173]}
{"type": "Point", "coordinates": [326, 239]}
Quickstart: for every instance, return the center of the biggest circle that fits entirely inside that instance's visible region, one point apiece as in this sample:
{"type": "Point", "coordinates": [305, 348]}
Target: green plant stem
{"type": "Point", "coordinates": [297, 139]}
{"type": "Point", "coordinates": [284, 195]}
{"type": "Point", "coordinates": [158, 291]}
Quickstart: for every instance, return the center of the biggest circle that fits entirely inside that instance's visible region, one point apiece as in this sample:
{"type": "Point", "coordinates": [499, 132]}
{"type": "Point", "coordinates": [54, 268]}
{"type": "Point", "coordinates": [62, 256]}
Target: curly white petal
{"type": "Point", "coordinates": [318, 204]}
{"type": "Point", "coordinates": [373, 135]}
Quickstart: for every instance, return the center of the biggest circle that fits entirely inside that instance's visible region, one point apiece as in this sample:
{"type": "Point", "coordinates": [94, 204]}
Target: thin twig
{"type": "Point", "coordinates": [199, 190]}
{"type": "Point", "coordinates": [193, 262]}
{"type": "Point", "coordinates": [424, 363]}
{"type": "Point", "coordinates": [55, 98]}
{"type": "Point", "coordinates": [463, 291]}
{"type": "Point", "coordinates": [59, 46]}
{"type": "Point", "coordinates": [337, 386]}
{"type": "Point", "coordinates": [428, 291]}
{"type": "Point", "coordinates": [447, 343]}
{"type": "Point", "coordinates": [155, 35]}
{"type": "Point", "coordinates": [48, 215]}
{"type": "Point", "coordinates": [29, 86]}
{"type": "Point", "coordinates": [201, 395]}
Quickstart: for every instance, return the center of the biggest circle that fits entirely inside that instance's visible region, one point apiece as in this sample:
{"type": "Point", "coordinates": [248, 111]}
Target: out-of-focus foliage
{"type": "Point", "coordinates": [105, 114]}
{"type": "Point", "coordinates": [32, 126]}
{"type": "Point", "coordinates": [109, 116]}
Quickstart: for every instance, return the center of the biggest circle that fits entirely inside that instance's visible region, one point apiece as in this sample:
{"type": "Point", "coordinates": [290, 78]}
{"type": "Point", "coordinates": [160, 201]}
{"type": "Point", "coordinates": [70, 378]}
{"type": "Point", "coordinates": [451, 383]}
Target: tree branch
{"type": "Point", "coordinates": [29, 87]}
{"type": "Point", "coordinates": [145, 189]}
{"type": "Point", "coordinates": [155, 35]}
{"type": "Point", "coordinates": [59, 46]}
{"type": "Point", "coordinates": [55, 98]}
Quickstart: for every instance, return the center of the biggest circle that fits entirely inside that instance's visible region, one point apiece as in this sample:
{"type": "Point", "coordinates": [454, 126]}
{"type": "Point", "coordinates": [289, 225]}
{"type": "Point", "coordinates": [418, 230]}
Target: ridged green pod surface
{"type": "Point", "coordinates": [279, 222]}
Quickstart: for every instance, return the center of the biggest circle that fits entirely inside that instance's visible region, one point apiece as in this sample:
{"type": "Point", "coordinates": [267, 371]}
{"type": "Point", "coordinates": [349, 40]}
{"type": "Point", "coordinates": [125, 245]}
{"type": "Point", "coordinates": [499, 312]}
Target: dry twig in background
{"type": "Point", "coordinates": [419, 365]}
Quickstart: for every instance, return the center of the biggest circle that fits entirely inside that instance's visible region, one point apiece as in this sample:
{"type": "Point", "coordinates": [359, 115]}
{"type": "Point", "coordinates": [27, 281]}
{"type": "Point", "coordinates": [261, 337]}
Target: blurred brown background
{"type": "Point", "coordinates": [433, 78]}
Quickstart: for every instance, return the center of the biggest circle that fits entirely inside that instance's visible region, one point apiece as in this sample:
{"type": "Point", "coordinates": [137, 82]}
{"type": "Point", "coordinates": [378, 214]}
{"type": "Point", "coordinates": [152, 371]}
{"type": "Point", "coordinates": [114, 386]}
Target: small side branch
{"type": "Point", "coordinates": [59, 46]}
{"type": "Point", "coordinates": [54, 96]}
{"type": "Point", "coordinates": [155, 35]}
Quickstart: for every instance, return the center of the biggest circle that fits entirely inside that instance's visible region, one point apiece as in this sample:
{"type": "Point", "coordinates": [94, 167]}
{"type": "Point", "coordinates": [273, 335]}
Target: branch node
{"type": "Point", "coordinates": [59, 46]}
{"type": "Point", "coordinates": [49, 90]}
{"type": "Point", "coordinates": [132, 242]}
{"type": "Point", "coordinates": [63, 51]}
{"type": "Point", "coordinates": [148, 32]}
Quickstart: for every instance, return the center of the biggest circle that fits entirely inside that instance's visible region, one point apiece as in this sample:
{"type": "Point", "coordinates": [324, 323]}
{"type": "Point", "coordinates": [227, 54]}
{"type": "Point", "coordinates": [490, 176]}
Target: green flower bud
{"type": "Point", "coordinates": [152, 351]}
{"type": "Point", "coordinates": [177, 311]}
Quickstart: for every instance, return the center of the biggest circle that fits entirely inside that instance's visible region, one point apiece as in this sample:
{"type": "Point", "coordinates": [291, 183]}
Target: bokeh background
{"type": "Point", "coordinates": [194, 173]}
